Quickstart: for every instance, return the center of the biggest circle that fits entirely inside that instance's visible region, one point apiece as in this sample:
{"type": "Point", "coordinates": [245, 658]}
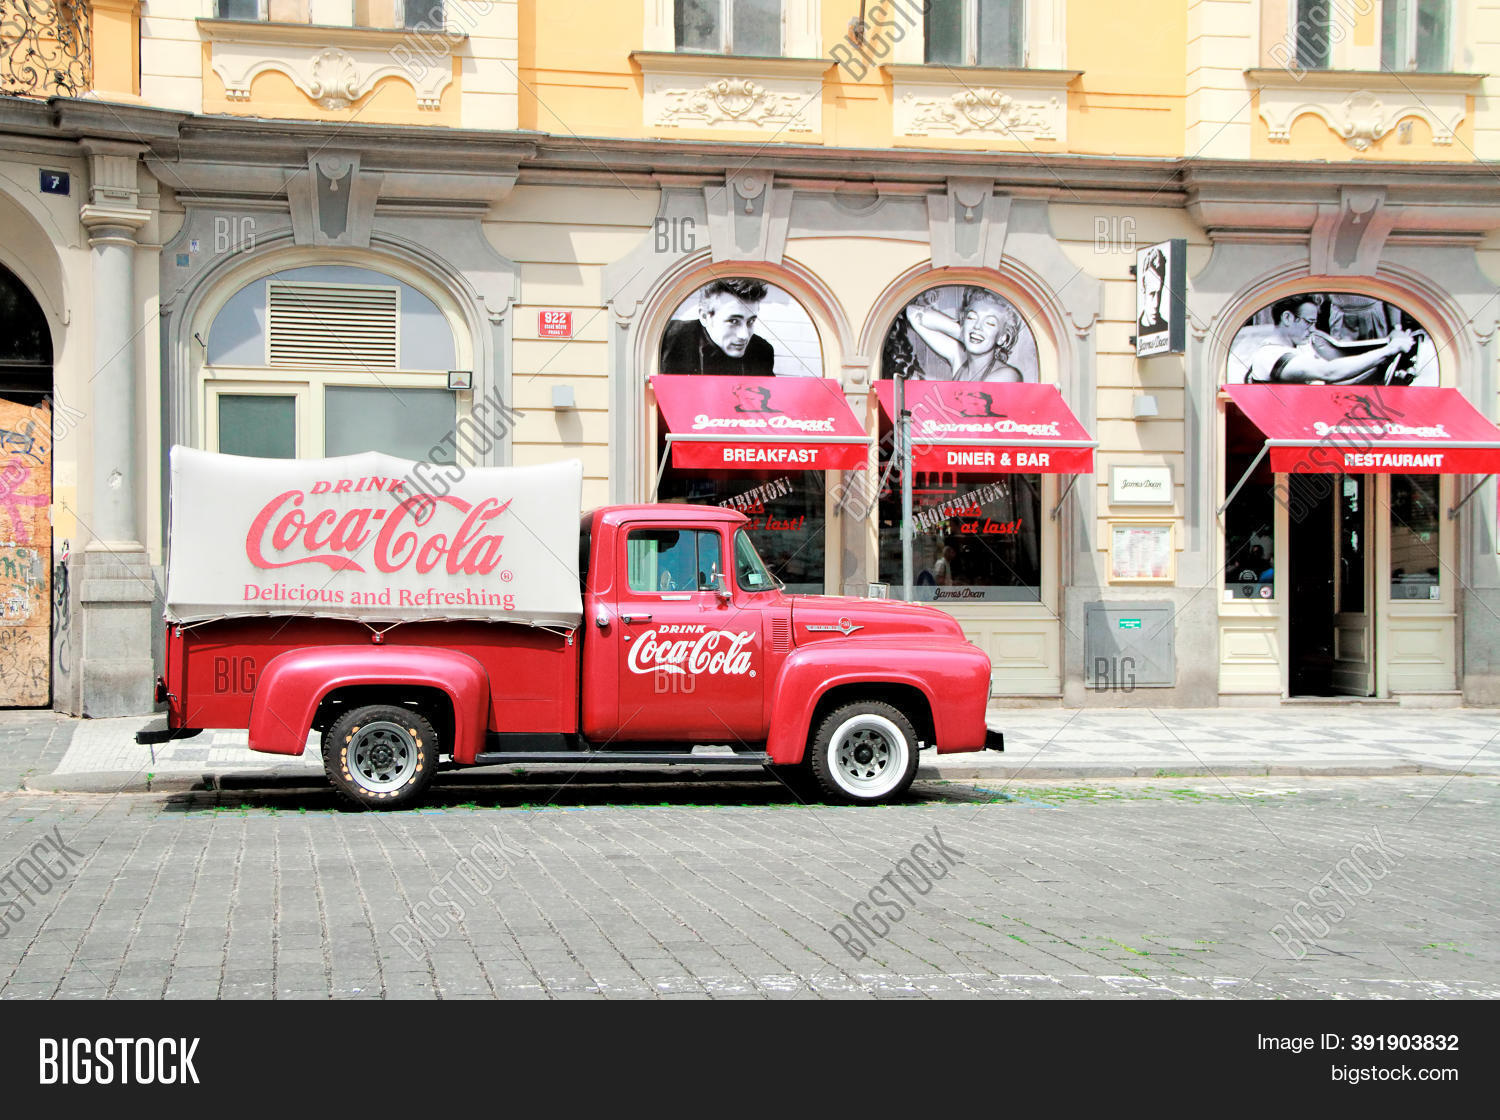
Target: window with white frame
{"type": "Point", "coordinates": [1415, 35]}
{"type": "Point", "coordinates": [742, 27]}
{"type": "Point", "coordinates": [976, 33]}
{"type": "Point", "coordinates": [329, 360]}
{"type": "Point", "coordinates": [418, 15]}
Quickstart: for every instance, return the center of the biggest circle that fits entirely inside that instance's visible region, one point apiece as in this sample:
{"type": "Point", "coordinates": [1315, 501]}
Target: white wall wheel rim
{"type": "Point", "coordinates": [868, 755]}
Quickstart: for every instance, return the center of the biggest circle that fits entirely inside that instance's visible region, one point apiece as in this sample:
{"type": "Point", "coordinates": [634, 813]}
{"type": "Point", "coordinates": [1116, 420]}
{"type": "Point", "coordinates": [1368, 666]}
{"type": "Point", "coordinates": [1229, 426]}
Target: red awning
{"type": "Point", "coordinates": [992, 427]}
{"type": "Point", "coordinates": [1328, 429]}
{"type": "Point", "coordinates": [759, 423]}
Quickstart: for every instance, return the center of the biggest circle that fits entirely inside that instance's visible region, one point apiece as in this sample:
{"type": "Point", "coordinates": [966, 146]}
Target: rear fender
{"type": "Point", "coordinates": [957, 672]}
{"type": "Point", "coordinates": [293, 684]}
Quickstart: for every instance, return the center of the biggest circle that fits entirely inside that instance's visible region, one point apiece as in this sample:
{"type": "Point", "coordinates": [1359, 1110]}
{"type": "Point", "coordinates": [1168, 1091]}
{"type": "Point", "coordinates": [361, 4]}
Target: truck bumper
{"type": "Point", "coordinates": [994, 740]}
{"type": "Point", "coordinates": [159, 732]}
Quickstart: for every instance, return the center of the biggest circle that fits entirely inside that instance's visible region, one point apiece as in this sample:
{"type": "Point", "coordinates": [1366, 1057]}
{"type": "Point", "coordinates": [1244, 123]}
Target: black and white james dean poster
{"type": "Point", "coordinates": [1160, 289]}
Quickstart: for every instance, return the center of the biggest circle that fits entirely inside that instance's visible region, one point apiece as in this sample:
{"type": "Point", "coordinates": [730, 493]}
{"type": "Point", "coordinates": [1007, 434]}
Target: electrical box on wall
{"type": "Point", "coordinates": [1129, 645]}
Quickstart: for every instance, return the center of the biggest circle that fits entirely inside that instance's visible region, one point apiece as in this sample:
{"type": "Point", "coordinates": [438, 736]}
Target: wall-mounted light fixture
{"type": "Point", "coordinates": [562, 396]}
{"type": "Point", "coordinates": [1145, 407]}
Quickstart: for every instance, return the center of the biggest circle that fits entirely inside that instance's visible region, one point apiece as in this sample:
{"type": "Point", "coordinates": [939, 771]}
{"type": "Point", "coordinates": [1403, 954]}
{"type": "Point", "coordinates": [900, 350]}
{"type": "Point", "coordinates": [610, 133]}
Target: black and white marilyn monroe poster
{"type": "Point", "coordinates": [960, 332]}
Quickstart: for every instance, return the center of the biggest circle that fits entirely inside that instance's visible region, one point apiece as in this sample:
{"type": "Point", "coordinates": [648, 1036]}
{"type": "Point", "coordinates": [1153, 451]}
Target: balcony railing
{"type": "Point", "coordinates": [45, 48]}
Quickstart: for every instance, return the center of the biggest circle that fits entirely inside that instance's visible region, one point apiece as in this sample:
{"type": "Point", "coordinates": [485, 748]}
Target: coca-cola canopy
{"type": "Point", "coordinates": [1367, 429]}
{"type": "Point", "coordinates": [372, 538]}
{"type": "Point", "coordinates": [759, 423]}
{"type": "Point", "coordinates": [989, 427]}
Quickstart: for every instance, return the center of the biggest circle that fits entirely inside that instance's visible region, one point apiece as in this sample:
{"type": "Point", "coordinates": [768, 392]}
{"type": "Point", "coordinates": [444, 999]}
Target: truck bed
{"type": "Point", "coordinates": [212, 667]}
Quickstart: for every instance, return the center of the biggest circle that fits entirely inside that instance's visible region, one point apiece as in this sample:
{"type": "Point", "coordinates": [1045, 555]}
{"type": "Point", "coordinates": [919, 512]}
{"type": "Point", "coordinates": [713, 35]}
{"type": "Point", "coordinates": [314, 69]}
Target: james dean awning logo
{"type": "Point", "coordinates": [975, 404]}
{"type": "Point", "coordinates": [752, 405]}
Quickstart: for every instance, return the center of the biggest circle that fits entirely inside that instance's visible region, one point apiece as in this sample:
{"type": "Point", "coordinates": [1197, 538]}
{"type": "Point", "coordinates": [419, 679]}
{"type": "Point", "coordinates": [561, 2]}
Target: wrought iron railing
{"type": "Point", "coordinates": [46, 48]}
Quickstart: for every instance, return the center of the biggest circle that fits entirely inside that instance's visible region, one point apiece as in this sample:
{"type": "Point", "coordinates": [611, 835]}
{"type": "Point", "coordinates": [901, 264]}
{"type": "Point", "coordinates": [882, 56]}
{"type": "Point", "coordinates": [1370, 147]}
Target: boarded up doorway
{"type": "Point", "coordinates": [25, 554]}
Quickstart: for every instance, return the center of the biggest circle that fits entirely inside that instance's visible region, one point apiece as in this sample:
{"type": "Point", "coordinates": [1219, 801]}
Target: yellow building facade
{"type": "Point", "coordinates": [305, 227]}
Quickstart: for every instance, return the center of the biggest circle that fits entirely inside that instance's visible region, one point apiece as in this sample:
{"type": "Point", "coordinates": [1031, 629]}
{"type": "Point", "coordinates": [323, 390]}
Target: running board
{"type": "Point", "coordinates": [621, 758]}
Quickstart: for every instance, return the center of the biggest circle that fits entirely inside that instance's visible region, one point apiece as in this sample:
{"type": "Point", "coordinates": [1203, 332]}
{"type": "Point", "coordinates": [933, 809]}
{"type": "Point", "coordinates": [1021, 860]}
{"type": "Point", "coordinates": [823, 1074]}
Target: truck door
{"type": "Point", "coordinates": [692, 665]}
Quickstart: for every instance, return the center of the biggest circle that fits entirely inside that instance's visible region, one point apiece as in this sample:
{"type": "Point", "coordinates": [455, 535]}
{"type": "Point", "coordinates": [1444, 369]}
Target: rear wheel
{"type": "Point", "coordinates": [865, 752]}
{"type": "Point", "coordinates": [381, 756]}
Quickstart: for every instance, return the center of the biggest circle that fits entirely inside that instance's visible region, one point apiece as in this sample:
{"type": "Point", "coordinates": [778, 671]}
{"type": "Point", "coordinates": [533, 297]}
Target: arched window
{"type": "Point", "coordinates": [746, 333]}
{"type": "Point", "coordinates": [329, 360]}
{"type": "Point", "coordinates": [25, 340]}
{"type": "Point", "coordinates": [976, 531]}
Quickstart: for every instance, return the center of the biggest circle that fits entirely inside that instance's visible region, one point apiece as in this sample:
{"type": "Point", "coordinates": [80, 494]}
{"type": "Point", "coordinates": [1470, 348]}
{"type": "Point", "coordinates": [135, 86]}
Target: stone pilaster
{"type": "Point", "coordinates": [117, 595]}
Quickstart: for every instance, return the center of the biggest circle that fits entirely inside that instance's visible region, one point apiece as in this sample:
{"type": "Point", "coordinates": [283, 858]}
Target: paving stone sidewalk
{"type": "Point", "coordinates": [51, 753]}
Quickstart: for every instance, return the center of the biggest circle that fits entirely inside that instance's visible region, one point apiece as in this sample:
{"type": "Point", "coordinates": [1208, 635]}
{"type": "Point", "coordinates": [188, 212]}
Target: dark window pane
{"type": "Point", "coordinates": [1000, 42]}
{"type": "Point", "coordinates": [1249, 520]}
{"type": "Point", "coordinates": [1392, 34]}
{"type": "Point", "coordinates": [699, 25]}
{"type": "Point", "coordinates": [785, 512]}
{"type": "Point", "coordinates": [239, 9]}
{"type": "Point", "coordinates": [407, 423]}
{"type": "Point", "coordinates": [757, 27]}
{"type": "Point", "coordinates": [975, 538]}
{"type": "Point", "coordinates": [265, 427]}
{"type": "Point", "coordinates": [945, 32]}
{"type": "Point", "coordinates": [424, 12]}
{"type": "Point", "coordinates": [1415, 524]}
{"type": "Point", "coordinates": [1353, 547]}
{"type": "Point", "coordinates": [1312, 34]}
{"type": "Point", "coordinates": [1432, 35]}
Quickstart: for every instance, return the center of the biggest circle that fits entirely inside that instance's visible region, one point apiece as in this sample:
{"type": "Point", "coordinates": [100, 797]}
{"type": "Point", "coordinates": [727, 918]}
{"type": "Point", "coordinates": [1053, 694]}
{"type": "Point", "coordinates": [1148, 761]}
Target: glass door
{"type": "Point", "coordinates": [1353, 557]}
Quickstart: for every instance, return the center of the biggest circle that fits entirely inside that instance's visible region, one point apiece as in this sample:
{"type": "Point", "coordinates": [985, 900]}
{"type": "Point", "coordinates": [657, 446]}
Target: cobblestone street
{"type": "Point", "coordinates": [1132, 888]}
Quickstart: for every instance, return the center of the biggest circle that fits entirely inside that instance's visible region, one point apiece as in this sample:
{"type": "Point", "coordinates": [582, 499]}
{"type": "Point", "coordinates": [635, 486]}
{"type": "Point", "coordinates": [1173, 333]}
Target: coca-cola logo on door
{"type": "Point", "coordinates": [692, 649]}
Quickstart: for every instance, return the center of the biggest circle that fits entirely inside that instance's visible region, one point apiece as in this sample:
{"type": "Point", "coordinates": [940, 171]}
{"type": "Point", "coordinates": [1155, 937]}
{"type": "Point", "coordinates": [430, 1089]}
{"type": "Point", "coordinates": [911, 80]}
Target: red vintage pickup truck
{"type": "Point", "coordinates": [480, 627]}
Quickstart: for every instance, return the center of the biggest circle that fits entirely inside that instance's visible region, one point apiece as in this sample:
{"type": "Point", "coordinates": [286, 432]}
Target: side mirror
{"type": "Point", "coordinates": [721, 586]}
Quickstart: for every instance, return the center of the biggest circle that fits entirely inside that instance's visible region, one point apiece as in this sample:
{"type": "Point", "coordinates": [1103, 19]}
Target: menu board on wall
{"type": "Point", "coordinates": [1141, 552]}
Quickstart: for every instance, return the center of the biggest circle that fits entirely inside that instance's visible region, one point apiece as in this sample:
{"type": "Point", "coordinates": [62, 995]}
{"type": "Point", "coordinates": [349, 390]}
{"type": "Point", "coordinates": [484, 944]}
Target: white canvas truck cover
{"type": "Point", "coordinates": [372, 538]}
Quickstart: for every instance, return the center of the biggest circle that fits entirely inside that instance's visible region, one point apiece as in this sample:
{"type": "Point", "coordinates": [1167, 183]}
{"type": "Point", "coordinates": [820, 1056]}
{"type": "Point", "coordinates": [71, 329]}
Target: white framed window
{"type": "Point", "coordinates": [1416, 35]}
{"type": "Point", "coordinates": [988, 33]}
{"type": "Point", "coordinates": [743, 27]}
{"type": "Point", "coordinates": [330, 360]}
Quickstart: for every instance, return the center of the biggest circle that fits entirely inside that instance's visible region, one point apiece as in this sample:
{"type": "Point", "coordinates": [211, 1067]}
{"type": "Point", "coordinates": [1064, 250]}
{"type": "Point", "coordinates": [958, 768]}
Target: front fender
{"type": "Point", "coordinates": [294, 683]}
{"type": "Point", "coordinates": [953, 676]}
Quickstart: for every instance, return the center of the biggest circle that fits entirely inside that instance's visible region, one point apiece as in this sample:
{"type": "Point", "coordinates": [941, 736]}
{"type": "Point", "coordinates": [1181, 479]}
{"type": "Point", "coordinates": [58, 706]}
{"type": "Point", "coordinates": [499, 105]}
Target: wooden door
{"type": "Point", "coordinates": [25, 554]}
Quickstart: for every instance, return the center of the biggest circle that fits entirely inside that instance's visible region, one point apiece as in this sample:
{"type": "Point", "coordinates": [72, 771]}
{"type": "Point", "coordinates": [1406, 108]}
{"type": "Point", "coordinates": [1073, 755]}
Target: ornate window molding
{"type": "Point", "coordinates": [975, 103]}
{"type": "Point", "coordinates": [334, 66]}
{"type": "Point", "coordinates": [731, 93]}
{"type": "Point", "coordinates": [1361, 107]}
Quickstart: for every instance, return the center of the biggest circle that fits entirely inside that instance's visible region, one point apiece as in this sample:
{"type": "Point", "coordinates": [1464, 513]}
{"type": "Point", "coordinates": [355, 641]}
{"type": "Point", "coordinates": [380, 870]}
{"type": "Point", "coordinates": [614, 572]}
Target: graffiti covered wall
{"type": "Point", "coordinates": [25, 554]}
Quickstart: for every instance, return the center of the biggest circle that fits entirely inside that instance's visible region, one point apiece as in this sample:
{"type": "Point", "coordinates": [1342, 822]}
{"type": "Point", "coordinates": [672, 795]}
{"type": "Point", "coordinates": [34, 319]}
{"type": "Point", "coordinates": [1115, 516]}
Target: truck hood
{"type": "Point", "coordinates": [817, 617]}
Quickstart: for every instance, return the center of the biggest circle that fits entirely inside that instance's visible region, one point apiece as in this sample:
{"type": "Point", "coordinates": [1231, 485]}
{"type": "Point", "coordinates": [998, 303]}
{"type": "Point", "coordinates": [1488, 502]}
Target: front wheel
{"type": "Point", "coordinates": [381, 756]}
{"type": "Point", "coordinates": [865, 753]}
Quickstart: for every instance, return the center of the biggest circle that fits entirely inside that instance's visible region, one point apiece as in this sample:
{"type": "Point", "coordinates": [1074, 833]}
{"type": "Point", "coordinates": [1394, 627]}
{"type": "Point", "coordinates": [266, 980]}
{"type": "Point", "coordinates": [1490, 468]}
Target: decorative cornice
{"type": "Point", "coordinates": [334, 66]}
{"type": "Point", "coordinates": [977, 103]}
{"type": "Point", "coordinates": [1359, 106]}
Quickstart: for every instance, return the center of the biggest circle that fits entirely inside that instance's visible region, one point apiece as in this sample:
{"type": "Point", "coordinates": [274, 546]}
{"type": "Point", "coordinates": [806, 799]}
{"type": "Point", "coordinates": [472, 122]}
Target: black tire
{"type": "Point", "coordinates": [864, 753]}
{"type": "Point", "coordinates": [381, 756]}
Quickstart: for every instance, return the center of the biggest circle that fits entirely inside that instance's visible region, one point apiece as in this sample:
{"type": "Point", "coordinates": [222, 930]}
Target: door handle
{"type": "Point", "coordinates": [635, 618]}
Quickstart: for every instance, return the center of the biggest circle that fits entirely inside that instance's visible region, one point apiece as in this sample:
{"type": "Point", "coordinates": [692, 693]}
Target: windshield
{"type": "Point", "coordinates": [749, 571]}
